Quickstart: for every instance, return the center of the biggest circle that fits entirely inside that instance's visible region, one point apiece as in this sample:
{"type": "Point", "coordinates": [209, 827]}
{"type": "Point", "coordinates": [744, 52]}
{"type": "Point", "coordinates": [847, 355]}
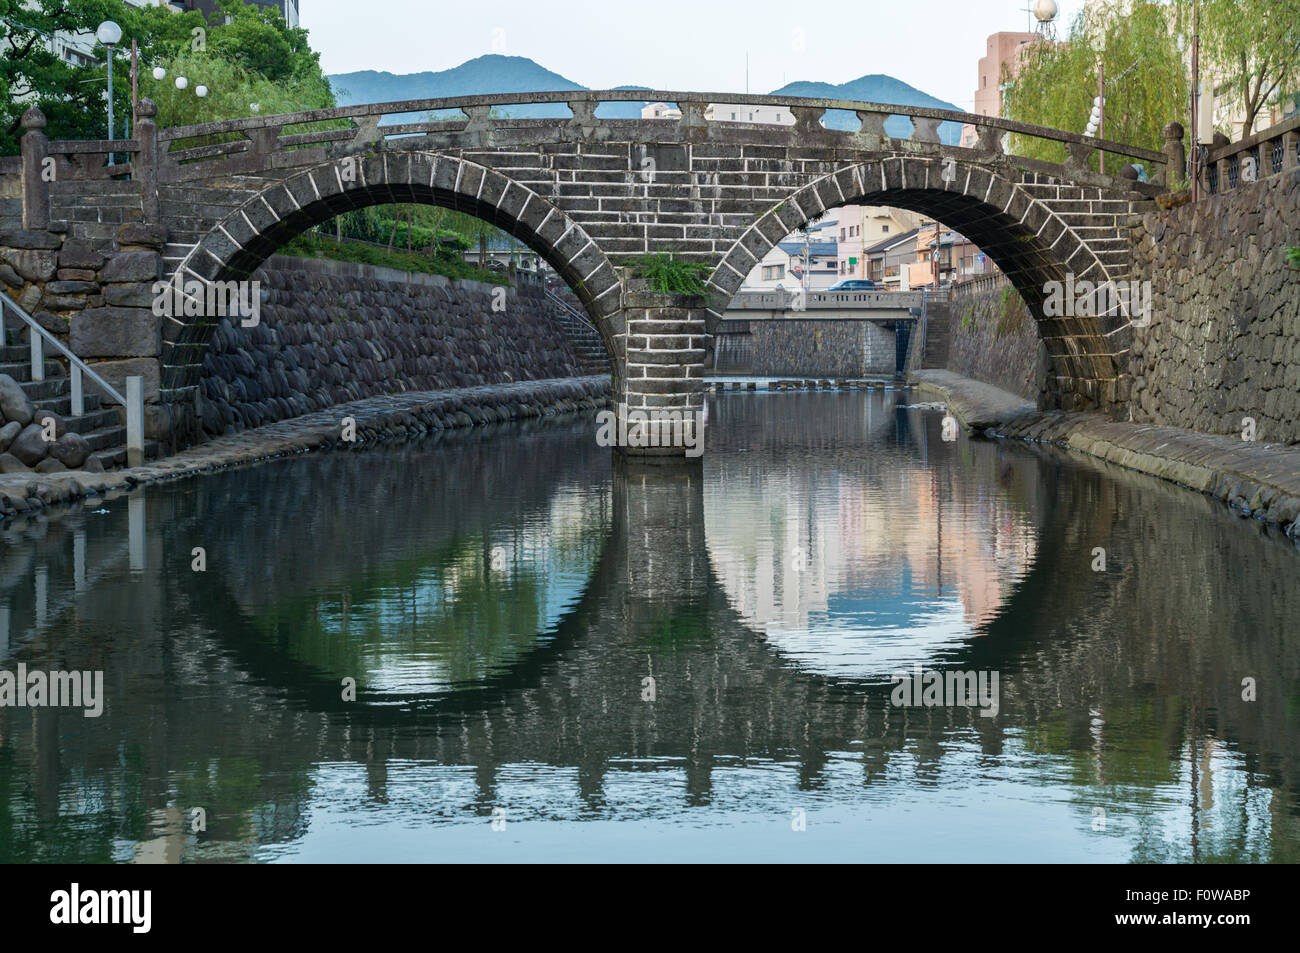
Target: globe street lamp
{"type": "Point", "coordinates": [109, 33]}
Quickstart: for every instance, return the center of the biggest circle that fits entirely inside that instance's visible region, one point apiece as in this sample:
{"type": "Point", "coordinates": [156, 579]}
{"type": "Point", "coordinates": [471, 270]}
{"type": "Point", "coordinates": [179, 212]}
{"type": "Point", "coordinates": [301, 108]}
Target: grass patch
{"type": "Point", "coordinates": [1012, 313]}
{"type": "Point", "coordinates": [308, 245]}
{"type": "Point", "coordinates": [666, 275]}
{"type": "Point", "coordinates": [1293, 257]}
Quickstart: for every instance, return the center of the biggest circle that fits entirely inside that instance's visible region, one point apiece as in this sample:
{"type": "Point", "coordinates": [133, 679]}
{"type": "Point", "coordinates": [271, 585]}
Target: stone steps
{"type": "Point", "coordinates": [101, 426]}
{"type": "Point", "coordinates": [21, 371]}
{"type": "Point", "coordinates": [587, 344]}
{"type": "Point", "coordinates": [936, 341]}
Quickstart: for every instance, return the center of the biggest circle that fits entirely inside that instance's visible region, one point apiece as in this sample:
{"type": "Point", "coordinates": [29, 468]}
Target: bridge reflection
{"type": "Point", "coordinates": [504, 604]}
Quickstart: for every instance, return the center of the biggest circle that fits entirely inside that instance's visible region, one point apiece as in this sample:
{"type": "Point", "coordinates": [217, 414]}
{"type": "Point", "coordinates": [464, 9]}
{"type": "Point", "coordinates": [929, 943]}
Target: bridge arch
{"type": "Point", "coordinates": [237, 245]}
{"type": "Point", "coordinates": [1028, 240]}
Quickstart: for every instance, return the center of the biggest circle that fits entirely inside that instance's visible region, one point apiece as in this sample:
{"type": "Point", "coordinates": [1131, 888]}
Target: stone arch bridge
{"type": "Point", "coordinates": [209, 203]}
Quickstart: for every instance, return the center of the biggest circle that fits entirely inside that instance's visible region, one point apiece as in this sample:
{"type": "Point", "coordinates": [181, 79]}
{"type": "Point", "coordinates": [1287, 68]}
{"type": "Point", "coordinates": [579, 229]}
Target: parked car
{"type": "Point", "coordinates": [853, 284]}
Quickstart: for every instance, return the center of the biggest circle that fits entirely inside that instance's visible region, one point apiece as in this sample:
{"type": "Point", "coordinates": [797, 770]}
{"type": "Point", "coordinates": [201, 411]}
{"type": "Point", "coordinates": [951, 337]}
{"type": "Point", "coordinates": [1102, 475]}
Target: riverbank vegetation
{"type": "Point", "coordinates": [313, 244]}
{"type": "Point", "coordinates": [1250, 54]}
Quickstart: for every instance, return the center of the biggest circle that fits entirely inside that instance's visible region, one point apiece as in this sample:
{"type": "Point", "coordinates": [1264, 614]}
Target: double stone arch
{"type": "Point", "coordinates": [1030, 242]}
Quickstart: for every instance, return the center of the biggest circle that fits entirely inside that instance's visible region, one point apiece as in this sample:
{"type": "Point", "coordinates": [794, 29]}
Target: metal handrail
{"type": "Point", "coordinates": [133, 401]}
{"type": "Point", "coordinates": [570, 310]}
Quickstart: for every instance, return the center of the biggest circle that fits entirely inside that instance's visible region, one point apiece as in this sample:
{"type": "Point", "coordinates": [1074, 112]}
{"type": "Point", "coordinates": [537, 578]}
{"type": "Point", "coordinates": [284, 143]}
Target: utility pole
{"type": "Point", "coordinates": [934, 256]}
{"type": "Point", "coordinates": [1196, 102]}
{"type": "Point", "coordinates": [1101, 124]}
{"type": "Point", "coordinates": [135, 96]}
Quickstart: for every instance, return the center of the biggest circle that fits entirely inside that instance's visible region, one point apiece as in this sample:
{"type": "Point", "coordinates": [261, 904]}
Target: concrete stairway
{"type": "Point", "coordinates": [586, 341]}
{"type": "Point", "coordinates": [937, 333]}
{"type": "Point", "coordinates": [103, 427]}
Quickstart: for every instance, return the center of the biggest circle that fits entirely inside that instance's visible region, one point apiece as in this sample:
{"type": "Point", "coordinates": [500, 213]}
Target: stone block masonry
{"type": "Point", "coordinates": [815, 347]}
{"type": "Point", "coordinates": [1224, 339]}
{"type": "Point", "coordinates": [332, 332]}
{"type": "Point", "coordinates": [993, 338]}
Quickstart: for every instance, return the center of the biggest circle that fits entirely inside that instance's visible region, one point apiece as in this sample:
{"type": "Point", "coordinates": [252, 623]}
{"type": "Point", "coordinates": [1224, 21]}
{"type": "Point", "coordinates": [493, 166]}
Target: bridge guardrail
{"type": "Point", "coordinates": [1267, 153]}
{"type": "Point", "coordinates": [263, 137]}
{"type": "Point", "coordinates": [785, 300]}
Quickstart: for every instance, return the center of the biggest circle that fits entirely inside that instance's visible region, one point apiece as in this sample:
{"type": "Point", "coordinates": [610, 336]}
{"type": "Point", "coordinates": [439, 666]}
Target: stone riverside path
{"type": "Point", "coordinates": [395, 415]}
{"type": "Point", "coordinates": [1255, 478]}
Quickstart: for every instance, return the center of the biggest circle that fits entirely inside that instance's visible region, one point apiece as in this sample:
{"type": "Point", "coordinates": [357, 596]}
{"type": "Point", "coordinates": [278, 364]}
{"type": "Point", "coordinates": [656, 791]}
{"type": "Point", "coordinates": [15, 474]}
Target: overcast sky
{"type": "Point", "coordinates": [677, 44]}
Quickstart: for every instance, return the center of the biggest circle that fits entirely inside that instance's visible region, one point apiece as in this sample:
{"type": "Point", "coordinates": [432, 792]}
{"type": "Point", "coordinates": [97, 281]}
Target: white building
{"type": "Point", "coordinates": [724, 112]}
{"type": "Point", "coordinates": [783, 266]}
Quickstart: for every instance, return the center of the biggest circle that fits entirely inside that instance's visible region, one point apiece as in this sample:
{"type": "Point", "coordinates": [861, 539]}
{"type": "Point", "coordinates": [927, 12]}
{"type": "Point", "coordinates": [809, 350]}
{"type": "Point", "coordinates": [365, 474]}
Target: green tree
{"type": "Point", "coordinates": [1253, 48]}
{"type": "Point", "coordinates": [232, 91]}
{"type": "Point", "coordinates": [4, 28]}
{"type": "Point", "coordinates": [70, 97]}
{"type": "Point", "coordinates": [1147, 85]}
{"type": "Point", "coordinates": [255, 58]}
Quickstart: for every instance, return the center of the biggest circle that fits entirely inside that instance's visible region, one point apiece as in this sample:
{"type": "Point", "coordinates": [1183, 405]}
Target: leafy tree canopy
{"type": "Point", "coordinates": [255, 58]}
{"type": "Point", "coordinates": [1147, 86]}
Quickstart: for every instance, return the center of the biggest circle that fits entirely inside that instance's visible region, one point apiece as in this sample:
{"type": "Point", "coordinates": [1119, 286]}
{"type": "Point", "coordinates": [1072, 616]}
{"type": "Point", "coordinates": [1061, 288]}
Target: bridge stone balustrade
{"type": "Point", "coordinates": [591, 196]}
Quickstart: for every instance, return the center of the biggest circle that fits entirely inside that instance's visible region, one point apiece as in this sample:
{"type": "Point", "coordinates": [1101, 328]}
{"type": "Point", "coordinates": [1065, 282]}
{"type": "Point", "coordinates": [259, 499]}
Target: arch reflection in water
{"type": "Point", "coordinates": [861, 545]}
{"type": "Point", "coordinates": [1120, 690]}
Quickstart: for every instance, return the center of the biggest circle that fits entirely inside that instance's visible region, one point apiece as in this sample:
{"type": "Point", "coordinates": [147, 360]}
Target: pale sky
{"type": "Point", "coordinates": [697, 45]}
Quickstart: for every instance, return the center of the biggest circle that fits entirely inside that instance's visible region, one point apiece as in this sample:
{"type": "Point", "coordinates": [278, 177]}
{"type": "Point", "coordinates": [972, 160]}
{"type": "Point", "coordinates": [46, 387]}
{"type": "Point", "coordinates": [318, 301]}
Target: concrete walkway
{"type": "Point", "coordinates": [1258, 479]}
{"type": "Point", "coordinates": [976, 405]}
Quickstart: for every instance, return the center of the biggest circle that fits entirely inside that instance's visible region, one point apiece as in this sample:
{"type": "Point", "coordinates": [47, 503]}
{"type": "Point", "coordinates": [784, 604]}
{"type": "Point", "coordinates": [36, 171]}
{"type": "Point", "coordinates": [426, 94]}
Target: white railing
{"type": "Point", "coordinates": [133, 401]}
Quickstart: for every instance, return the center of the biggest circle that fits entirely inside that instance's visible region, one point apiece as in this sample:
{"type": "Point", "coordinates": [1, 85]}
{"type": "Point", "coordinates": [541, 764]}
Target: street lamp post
{"type": "Point", "coordinates": [109, 33]}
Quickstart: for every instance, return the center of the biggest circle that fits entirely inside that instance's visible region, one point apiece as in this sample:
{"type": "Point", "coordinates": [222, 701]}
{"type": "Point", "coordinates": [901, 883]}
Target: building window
{"type": "Point", "coordinates": [885, 229]}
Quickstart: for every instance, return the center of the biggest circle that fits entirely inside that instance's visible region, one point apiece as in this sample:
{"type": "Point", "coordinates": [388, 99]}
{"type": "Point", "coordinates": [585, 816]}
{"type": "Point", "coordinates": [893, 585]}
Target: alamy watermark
{"type": "Point", "coordinates": [956, 689]}
{"type": "Point", "coordinates": [651, 427]}
{"type": "Point", "coordinates": [212, 299]}
{"type": "Point", "coordinates": [35, 688]}
{"type": "Point", "coordinates": [1092, 299]}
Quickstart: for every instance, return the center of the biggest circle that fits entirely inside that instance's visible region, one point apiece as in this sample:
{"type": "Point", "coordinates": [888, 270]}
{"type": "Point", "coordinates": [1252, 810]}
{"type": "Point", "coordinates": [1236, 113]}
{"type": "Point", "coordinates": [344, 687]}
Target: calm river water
{"type": "Point", "coordinates": [559, 657]}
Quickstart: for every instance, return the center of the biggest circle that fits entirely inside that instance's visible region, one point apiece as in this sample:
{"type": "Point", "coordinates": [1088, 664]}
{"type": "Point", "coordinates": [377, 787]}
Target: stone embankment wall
{"type": "Point", "coordinates": [332, 332]}
{"type": "Point", "coordinates": [806, 347]}
{"type": "Point", "coordinates": [1224, 338]}
{"type": "Point", "coordinates": [992, 337]}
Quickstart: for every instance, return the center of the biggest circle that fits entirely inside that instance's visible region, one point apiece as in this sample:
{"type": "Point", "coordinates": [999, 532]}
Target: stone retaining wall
{"type": "Point", "coordinates": [332, 332]}
{"type": "Point", "coordinates": [1224, 338]}
{"type": "Point", "coordinates": [809, 347]}
{"type": "Point", "coordinates": [993, 338]}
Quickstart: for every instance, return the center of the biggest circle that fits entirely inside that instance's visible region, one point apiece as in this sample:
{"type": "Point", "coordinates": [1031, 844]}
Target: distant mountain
{"type": "Point", "coordinates": [876, 88]}
{"type": "Point", "coordinates": [494, 73]}
{"type": "Point", "coordinates": [491, 73]}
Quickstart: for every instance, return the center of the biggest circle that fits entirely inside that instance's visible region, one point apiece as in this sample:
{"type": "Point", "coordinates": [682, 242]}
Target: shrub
{"type": "Point", "coordinates": [666, 275]}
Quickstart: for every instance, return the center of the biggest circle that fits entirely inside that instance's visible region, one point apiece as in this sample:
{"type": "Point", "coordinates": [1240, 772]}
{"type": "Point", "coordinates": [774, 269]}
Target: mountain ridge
{"type": "Point", "coordinates": [497, 73]}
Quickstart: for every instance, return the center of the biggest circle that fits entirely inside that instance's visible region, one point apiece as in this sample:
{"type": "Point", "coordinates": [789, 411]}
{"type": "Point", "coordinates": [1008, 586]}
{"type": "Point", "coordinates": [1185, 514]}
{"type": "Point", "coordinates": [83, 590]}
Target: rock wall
{"type": "Point", "coordinates": [1224, 339]}
{"type": "Point", "coordinates": [332, 332]}
{"type": "Point", "coordinates": [811, 347]}
{"type": "Point", "coordinates": [992, 337]}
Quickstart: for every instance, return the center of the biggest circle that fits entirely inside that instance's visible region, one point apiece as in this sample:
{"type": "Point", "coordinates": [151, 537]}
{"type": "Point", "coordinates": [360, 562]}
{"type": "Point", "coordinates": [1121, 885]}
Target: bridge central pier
{"type": "Point", "coordinates": [659, 363]}
{"type": "Point", "coordinates": [659, 537]}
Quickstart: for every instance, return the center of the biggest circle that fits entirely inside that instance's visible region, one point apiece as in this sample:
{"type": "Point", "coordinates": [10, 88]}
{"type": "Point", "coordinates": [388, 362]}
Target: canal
{"type": "Point", "coordinates": [501, 644]}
